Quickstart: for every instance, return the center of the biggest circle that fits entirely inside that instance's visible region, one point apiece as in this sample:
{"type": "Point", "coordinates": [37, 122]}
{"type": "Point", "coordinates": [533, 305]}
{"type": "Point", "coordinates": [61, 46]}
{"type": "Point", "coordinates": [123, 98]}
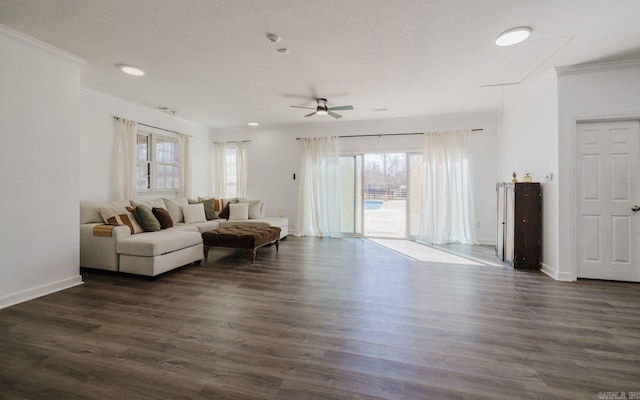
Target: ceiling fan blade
{"type": "Point", "coordinates": [335, 115]}
{"type": "Point", "coordinates": [341, 108]}
{"type": "Point", "coordinates": [313, 113]}
{"type": "Point", "coordinates": [308, 108]}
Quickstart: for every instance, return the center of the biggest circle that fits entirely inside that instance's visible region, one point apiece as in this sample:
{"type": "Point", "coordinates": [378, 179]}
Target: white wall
{"type": "Point", "coordinates": [39, 89]}
{"type": "Point", "coordinates": [528, 142]}
{"type": "Point", "coordinates": [591, 92]}
{"type": "Point", "coordinates": [97, 143]}
{"type": "Point", "coordinates": [273, 156]}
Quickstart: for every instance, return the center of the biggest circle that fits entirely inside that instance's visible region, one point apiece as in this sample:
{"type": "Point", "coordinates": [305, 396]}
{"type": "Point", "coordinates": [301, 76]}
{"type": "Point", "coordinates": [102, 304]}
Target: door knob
{"type": "Point", "coordinates": [635, 208]}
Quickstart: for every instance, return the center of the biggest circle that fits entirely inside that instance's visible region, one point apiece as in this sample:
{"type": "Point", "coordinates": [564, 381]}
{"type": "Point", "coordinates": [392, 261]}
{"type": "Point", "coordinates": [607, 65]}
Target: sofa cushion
{"type": "Point", "coordinates": [146, 219]}
{"type": "Point", "coordinates": [238, 212]}
{"type": "Point", "coordinates": [174, 206]}
{"type": "Point", "coordinates": [163, 217]}
{"type": "Point", "coordinates": [90, 212]}
{"type": "Point", "coordinates": [193, 213]}
{"type": "Point", "coordinates": [149, 203]}
{"type": "Point", "coordinates": [156, 243]}
{"type": "Point", "coordinates": [200, 226]}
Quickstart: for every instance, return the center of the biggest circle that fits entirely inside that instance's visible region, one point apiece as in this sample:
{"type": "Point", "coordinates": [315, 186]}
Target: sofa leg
{"type": "Point", "coordinates": [277, 245]}
{"type": "Point", "coordinates": [253, 256]}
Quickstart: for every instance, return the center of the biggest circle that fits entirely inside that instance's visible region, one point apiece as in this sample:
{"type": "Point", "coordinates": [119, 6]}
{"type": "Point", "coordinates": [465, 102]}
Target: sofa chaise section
{"type": "Point", "coordinates": [154, 253]}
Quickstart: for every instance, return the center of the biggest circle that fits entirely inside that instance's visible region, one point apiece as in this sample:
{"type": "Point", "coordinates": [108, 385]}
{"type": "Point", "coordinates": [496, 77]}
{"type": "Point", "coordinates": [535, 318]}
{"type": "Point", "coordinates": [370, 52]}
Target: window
{"type": "Point", "coordinates": [231, 181]}
{"type": "Point", "coordinates": [157, 163]}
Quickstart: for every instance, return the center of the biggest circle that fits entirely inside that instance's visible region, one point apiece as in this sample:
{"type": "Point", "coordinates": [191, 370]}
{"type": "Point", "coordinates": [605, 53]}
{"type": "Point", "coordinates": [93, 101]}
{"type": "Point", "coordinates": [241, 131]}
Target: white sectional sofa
{"type": "Point", "coordinates": [116, 248]}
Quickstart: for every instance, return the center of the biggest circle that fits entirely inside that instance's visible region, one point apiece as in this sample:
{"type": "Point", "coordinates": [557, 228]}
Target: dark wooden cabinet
{"type": "Point", "coordinates": [519, 228]}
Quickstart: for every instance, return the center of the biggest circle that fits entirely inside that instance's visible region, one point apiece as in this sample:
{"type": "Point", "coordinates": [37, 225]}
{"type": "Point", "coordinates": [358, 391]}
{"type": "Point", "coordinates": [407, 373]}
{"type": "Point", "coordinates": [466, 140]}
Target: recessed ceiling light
{"type": "Point", "coordinates": [131, 70]}
{"type": "Point", "coordinates": [513, 36]}
{"type": "Point", "coordinates": [253, 123]}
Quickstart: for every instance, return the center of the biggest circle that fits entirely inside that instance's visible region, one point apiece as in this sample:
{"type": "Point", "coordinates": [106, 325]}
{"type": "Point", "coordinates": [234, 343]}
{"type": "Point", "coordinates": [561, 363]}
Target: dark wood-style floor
{"type": "Point", "coordinates": [324, 319]}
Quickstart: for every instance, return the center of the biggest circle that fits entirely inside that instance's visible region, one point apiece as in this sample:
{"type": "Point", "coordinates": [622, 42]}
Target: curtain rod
{"type": "Point", "coordinates": [393, 134]}
{"type": "Point", "coordinates": [155, 127]}
{"type": "Point", "coordinates": [235, 141]}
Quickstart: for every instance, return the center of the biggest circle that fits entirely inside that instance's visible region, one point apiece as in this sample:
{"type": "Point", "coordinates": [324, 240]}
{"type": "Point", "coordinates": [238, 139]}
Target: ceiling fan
{"type": "Point", "coordinates": [322, 109]}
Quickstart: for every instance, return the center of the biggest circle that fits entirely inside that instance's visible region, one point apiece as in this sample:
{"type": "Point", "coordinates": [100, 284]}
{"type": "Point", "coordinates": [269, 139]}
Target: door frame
{"type": "Point", "coordinates": [572, 274]}
{"type": "Point", "coordinates": [354, 234]}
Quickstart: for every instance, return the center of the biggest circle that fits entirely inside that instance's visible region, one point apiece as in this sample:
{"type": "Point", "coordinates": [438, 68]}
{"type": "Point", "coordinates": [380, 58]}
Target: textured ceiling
{"type": "Point", "coordinates": [212, 62]}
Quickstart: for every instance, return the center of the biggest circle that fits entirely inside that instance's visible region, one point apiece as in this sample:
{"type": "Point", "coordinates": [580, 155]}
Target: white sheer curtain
{"type": "Point", "coordinates": [448, 212]}
{"type": "Point", "coordinates": [319, 191]}
{"type": "Point", "coordinates": [185, 165]}
{"type": "Point", "coordinates": [241, 170]}
{"type": "Point", "coordinates": [124, 173]}
{"type": "Point", "coordinates": [220, 188]}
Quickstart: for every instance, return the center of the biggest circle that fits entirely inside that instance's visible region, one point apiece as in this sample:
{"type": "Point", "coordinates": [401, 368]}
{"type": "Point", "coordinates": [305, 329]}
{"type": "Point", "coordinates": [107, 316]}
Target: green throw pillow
{"type": "Point", "coordinates": [146, 219]}
{"type": "Point", "coordinates": [209, 209]}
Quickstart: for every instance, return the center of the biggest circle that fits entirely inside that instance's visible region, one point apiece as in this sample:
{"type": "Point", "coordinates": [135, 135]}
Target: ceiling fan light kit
{"type": "Point", "coordinates": [322, 109]}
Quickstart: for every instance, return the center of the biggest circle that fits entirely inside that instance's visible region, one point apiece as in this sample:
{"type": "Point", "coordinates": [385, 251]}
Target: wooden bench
{"type": "Point", "coordinates": [242, 237]}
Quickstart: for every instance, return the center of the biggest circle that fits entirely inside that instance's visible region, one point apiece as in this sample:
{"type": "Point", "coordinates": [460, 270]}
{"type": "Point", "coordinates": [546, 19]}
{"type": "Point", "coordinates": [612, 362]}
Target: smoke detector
{"type": "Point", "coordinates": [168, 110]}
{"type": "Point", "coordinates": [273, 38]}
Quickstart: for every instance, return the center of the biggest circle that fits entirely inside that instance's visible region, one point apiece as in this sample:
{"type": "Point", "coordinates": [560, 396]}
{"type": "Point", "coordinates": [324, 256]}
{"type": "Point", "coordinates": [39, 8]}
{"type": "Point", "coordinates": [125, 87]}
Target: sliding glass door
{"type": "Point", "coordinates": [381, 194]}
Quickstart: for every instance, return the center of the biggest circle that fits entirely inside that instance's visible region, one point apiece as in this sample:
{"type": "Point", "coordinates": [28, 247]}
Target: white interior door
{"type": "Point", "coordinates": [607, 195]}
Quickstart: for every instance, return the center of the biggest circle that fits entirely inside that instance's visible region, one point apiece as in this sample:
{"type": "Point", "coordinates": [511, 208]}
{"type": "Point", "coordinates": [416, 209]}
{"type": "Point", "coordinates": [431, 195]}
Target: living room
{"type": "Point", "coordinates": [58, 131]}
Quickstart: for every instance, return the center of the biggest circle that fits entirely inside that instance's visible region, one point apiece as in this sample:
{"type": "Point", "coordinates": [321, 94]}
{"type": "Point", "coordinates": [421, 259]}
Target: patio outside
{"type": "Point", "coordinates": [388, 183]}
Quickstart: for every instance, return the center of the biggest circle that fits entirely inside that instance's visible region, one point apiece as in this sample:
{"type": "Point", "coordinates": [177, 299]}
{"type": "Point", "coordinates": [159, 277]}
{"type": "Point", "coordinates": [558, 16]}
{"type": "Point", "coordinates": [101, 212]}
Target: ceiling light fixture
{"type": "Point", "coordinates": [253, 123]}
{"type": "Point", "coordinates": [131, 70]}
{"type": "Point", "coordinates": [513, 36]}
{"type": "Point", "coordinates": [322, 112]}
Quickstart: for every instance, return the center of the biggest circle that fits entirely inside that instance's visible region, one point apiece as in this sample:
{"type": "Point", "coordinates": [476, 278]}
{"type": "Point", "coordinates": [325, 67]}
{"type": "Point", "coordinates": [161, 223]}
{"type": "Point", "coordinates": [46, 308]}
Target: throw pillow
{"type": "Point", "coordinates": [130, 220]}
{"type": "Point", "coordinates": [255, 208]}
{"type": "Point", "coordinates": [174, 206]}
{"type": "Point", "coordinates": [111, 213]}
{"type": "Point", "coordinates": [209, 209]}
{"type": "Point", "coordinates": [224, 213]}
{"type": "Point", "coordinates": [146, 219]}
{"type": "Point", "coordinates": [193, 213]}
{"type": "Point", "coordinates": [163, 217]}
{"type": "Point", "coordinates": [238, 211]}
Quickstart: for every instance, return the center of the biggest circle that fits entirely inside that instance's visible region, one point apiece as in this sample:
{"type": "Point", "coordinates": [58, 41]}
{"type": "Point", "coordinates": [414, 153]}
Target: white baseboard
{"type": "Point", "coordinates": [487, 242]}
{"type": "Point", "coordinates": [559, 276]}
{"type": "Point", "coordinates": [39, 291]}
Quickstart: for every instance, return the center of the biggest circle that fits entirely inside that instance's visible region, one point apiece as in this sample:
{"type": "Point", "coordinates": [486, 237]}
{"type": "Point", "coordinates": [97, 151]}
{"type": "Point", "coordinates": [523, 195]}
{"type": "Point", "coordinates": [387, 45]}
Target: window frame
{"type": "Point", "coordinates": [153, 161]}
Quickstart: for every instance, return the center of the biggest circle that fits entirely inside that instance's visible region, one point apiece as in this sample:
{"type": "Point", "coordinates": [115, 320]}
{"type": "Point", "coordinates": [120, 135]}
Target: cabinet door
{"type": "Point", "coordinates": [509, 223]}
{"type": "Point", "coordinates": [500, 223]}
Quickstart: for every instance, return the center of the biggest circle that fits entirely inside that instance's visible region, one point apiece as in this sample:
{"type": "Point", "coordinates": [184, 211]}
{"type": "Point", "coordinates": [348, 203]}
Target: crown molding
{"type": "Point", "coordinates": [597, 67]}
{"type": "Point", "coordinates": [40, 44]}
